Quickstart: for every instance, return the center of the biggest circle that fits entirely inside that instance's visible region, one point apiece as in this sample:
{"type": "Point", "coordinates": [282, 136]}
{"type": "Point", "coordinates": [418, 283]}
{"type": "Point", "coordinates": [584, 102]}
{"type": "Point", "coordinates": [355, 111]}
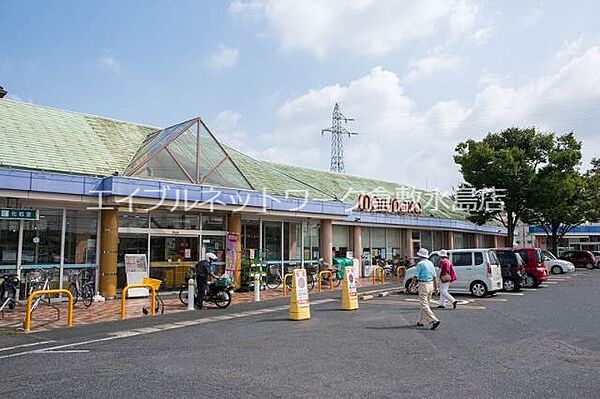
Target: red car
{"type": "Point", "coordinates": [534, 266]}
{"type": "Point", "coordinates": [580, 258]}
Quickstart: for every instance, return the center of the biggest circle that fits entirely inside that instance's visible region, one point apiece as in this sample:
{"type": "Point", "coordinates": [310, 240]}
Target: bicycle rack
{"type": "Point", "coordinates": [290, 275]}
{"type": "Point", "coordinates": [35, 294]}
{"type": "Point", "coordinates": [321, 273]}
{"type": "Point", "coordinates": [124, 296]}
{"type": "Point", "coordinates": [375, 270]}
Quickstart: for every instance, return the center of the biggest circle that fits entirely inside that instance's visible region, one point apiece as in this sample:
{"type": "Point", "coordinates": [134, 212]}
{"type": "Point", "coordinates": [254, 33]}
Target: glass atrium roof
{"type": "Point", "coordinates": [187, 152]}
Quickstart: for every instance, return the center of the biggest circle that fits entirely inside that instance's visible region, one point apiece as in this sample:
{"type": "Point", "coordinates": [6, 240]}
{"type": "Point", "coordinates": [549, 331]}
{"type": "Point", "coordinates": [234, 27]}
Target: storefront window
{"type": "Point", "coordinates": [175, 221]}
{"type": "Point", "coordinates": [42, 238]}
{"type": "Point", "coordinates": [9, 243]}
{"type": "Point", "coordinates": [80, 237]}
{"type": "Point", "coordinates": [130, 219]}
{"type": "Point", "coordinates": [378, 246]}
{"type": "Point", "coordinates": [129, 244]}
{"type": "Point", "coordinates": [171, 257]}
{"type": "Point", "coordinates": [426, 239]}
{"type": "Point", "coordinates": [438, 240]}
{"type": "Point", "coordinates": [366, 243]}
{"type": "Point", "coordinates": [216, 245]}
{"type": "Point", "coordinates": [459, 242]}
{"type": "Point", "coordinates": [214, 221]}
{"type": "Point", "coordinates": [292, 237]}
{"type": "Point", "coordinates": [272, 240]}
{"type": "Point", "coordinates": [311, 243]}
{"type": "Point", "coordinates": [392, 237]}
{"type": "Point", "coordinates": [340, 240]}
{"type": "Point", "coordinates": [416, 240]}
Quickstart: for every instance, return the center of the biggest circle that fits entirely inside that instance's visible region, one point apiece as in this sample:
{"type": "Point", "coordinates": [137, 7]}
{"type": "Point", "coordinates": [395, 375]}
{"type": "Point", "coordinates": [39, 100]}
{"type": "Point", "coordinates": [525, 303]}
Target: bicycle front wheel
{"type": "Point", "coordinates": [74, 292]}
{"type": "Point", "coordinates": [273, 281]}
{"type": "Point", "coordinates": [183, 295]}
{"type": "Point", "coordinates": [87, 295]}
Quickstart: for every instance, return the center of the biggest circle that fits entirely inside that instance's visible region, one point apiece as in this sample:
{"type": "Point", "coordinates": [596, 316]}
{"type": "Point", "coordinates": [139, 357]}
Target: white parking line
{"type": "Point", "coordinates": [529, 289]}
{"type": "Point", "coordinates": [9, 348]}
{"type": "Point", "coordinates": [510, 293]}
{"type": "Point", "coordinates": [143, 331]}
{"type": "Point", "coordinates": [551, 282]}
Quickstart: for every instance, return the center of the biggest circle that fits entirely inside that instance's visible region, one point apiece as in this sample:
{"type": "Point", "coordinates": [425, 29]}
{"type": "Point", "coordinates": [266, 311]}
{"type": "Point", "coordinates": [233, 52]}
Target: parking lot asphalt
{"type": "Point", "coordinates": [543, 343]}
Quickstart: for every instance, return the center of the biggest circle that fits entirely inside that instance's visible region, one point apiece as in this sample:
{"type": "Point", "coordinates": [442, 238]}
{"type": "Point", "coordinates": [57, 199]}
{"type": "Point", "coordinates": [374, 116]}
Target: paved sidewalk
{"type": "Point", "coordinates": [45, 317]}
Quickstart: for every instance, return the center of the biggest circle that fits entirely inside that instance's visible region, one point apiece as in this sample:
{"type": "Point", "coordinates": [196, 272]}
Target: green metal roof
{"type": "Point", "coordinates": [42, 138]}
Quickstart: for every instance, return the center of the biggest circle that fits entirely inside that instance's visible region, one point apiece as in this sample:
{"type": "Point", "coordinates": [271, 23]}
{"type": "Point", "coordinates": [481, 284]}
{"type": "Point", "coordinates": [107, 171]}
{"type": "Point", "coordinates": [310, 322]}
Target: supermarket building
{"type": "Point", "coordinates": [82, 191]}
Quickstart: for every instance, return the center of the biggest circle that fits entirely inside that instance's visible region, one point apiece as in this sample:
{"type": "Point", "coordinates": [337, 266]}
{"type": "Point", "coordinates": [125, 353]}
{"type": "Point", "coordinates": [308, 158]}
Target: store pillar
{"type": "Point", "coordinates": [357, 247]}
{"type": "Point", "coordinates": [407, 244]}
{"type": "Point", "coordinates": [326, 241]}
{"type": "Point", "coordinates": [477, 241]}
{"type": "Point", "coordinates": [109, 246]}
{"type": "Point", "coordinates": [234, 225]}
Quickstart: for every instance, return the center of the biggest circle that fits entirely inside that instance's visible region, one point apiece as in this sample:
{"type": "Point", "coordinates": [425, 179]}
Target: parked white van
{"type": "Point", "coordinates": [478, 271]}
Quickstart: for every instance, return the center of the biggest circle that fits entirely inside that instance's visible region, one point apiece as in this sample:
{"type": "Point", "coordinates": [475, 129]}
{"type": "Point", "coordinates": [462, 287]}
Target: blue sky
{"type": "Point", "coordinates": [419, 77]}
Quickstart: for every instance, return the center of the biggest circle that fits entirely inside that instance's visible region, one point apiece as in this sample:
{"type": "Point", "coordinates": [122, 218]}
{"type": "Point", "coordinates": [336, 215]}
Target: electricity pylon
{"type": "Point", "coordinates": [337, 130]}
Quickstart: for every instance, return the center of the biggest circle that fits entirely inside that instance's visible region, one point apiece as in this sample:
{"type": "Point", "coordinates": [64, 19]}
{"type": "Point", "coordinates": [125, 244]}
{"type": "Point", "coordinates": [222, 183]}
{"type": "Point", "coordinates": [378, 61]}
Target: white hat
{"type": "Point", "coordinates": [443, 253]}
{"type": "Point", "coordinates": [423, 253]}
{"type": "Point", "coordinates": [210, 256]}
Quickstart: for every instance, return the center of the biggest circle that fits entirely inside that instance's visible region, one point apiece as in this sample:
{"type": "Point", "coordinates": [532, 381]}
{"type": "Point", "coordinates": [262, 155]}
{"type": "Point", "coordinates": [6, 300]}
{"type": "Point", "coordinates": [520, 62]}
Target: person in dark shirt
{"type": "Point", "coordinates": [203, 270]}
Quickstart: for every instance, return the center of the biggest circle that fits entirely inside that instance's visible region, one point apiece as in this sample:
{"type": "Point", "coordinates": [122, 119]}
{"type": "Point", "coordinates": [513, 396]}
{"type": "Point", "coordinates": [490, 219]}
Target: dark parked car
{"type": "Point", "coordinates": [513, 271]}
{"type": "Point", "coordinates": [580, 258]}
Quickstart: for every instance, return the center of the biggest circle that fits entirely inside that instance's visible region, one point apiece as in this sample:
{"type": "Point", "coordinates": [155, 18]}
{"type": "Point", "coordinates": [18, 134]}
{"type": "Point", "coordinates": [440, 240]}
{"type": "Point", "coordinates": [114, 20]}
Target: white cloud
{"type": "Point", "coordinates": [108, 62]}
{"type": "Point", "coordinates": [570, 49]}
{"type": "Point", "coordinates": [225, 127]}
{"type": "Point", "coordinates": [533, 17]}
{"type": "Point", "coordinates": [371, 27]}
{"type": "Point", "coordinates": [431, 65]}
{"type": "Point", "coordinates": [224, 58]}
{"type": "Point", "coordinates": [399, 141]}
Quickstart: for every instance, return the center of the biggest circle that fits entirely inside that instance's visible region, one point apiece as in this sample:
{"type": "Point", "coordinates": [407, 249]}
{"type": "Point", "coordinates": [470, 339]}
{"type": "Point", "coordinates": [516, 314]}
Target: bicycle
{"type": "Point", "coordinates": [38, 280]}
{"type": "Point", "coordinates": [82, 285]}
{"type": "Point", "coordinates": [273, 278]}
{"type": "Point", "coordinates": [8, 291]}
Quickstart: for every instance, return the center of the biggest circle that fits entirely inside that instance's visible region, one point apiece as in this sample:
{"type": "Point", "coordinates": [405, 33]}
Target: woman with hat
{"type": "Point", "coordinates": [447, 277]}
{"type": "Point", "coordinates": [425, 273]}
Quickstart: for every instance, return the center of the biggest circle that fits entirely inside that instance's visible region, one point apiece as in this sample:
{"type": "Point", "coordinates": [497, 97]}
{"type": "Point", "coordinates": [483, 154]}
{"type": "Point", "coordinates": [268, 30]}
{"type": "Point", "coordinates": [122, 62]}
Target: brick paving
{"type": "Point", "coordinates": [45, 317]}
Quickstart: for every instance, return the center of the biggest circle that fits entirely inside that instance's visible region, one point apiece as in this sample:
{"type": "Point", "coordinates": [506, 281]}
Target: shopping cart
{"type": "Point", "coordinates": [160, 305]}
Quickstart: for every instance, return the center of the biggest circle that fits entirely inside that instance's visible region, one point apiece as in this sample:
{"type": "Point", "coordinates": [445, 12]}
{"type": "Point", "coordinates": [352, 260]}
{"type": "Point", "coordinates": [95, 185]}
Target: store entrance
{"type": "Point", "coordinates": [171, 257]}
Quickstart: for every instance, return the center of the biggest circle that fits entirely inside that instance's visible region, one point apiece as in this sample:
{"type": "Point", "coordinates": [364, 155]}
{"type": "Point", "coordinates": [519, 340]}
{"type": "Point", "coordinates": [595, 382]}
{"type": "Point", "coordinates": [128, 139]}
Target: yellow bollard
{"type": "Point", "coordinates": [152, 301]}
{"type": "Point", "coordinates": [375, 270]}
{"type": "Point", "coordinates": [321, 280]}
{"type": "Point", "coordinates": [349, 294]}
{"type": "Point", "coordinates": [289, 275]}
{"type": "Point", "coordinates": [35, 294]}
{"type": "Point", "coordinates": [299, 305]}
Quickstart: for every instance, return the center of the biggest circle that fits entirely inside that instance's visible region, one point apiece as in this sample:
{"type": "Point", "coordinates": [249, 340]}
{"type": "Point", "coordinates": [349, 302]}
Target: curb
{"type": "Point", "coordinates": [383, 292]}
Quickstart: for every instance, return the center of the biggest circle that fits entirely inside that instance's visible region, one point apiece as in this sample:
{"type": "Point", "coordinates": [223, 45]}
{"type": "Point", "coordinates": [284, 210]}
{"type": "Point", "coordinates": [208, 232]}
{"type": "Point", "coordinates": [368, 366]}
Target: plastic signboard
{"type": "Point", "coordinates": [136, 268]}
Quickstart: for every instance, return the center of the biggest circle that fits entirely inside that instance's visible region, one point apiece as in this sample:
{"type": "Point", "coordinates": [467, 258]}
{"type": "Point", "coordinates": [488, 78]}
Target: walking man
{"type": "Point", "coordinates": [447, 277]}
{"type": "Point", "coordinates": [425, 273]}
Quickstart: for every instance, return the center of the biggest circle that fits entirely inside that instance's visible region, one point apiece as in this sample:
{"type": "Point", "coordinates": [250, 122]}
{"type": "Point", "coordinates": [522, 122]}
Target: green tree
{"type": "Point", "coordinates": [593, 189]}
{"type": "Point", "coordinates": [559, 199]}
{"type": "Point", "coordinates": [506, 160]}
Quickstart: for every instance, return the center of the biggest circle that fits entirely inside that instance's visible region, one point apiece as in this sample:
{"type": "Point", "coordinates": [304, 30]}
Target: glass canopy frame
{"type": "Point", "coordinates": [186, 152]}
